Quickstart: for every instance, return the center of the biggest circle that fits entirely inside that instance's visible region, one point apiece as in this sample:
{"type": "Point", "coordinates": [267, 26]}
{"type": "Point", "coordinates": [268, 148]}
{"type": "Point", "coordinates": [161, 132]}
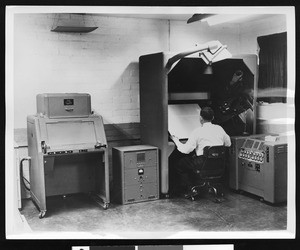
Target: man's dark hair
{"type": "Point", "coordinates": [207, 113]}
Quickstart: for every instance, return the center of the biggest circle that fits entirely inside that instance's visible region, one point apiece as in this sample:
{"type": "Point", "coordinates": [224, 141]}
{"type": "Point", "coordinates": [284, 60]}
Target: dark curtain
{"type": "Point", "coordinates": [273, 65]}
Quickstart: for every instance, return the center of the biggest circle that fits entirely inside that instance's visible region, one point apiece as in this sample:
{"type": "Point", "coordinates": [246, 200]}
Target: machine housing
{"type": "Point", "coordinates": [68, 149]}
{"type": "Point", "coordinates": [136, 174]}
{"type": "Point", "coordinates": [259, 167]}
{"type": "Point", "coordinates": [185, 83]}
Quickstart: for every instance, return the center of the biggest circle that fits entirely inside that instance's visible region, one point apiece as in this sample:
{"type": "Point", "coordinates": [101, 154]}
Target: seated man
{"type": "Point", "coordinates": [183, 163]}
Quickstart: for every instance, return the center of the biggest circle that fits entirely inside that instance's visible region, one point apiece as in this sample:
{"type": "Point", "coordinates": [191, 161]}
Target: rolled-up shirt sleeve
{"type": "Point", "coordinates": [227, 141]}
{"type": "Point", "coordinates": [189, 146]}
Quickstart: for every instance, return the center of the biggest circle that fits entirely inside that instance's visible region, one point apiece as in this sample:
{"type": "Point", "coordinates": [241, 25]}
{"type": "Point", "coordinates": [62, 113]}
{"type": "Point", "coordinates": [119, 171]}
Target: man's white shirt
{"type": "Point", "coordinates": [207, 135]}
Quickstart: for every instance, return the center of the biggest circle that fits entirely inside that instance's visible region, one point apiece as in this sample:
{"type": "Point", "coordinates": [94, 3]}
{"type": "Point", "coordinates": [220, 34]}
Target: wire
{"type": "Point", "coordinates": [21, 173]}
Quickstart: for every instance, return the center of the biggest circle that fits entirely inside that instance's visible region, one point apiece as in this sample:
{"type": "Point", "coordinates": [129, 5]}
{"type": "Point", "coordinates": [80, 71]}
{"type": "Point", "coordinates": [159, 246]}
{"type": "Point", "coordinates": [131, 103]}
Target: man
{"type": "Point", "coordinates": [208, 134]}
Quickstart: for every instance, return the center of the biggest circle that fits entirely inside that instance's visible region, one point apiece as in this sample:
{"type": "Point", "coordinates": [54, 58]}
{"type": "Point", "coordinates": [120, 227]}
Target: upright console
{"type": "Point", "coordinates": [259, 166]}
{"type": "Point", "coordinates": [136, 174]}
{"type": "Point", "coordinates": [68, 149]}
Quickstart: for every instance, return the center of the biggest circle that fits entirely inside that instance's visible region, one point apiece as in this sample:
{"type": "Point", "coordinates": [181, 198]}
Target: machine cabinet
{"type": "Point", "coordinates": [68, 150]}
{"type": "Point", "coordinates": [135, 174]}
{"type": "Point", "coordinates": [184, 82]}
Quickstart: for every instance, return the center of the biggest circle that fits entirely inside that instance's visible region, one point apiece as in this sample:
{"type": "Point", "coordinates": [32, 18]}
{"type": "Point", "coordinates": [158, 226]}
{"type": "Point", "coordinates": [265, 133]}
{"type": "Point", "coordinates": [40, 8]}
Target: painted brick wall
{"type": "Point", "coordinates": [103, 63]}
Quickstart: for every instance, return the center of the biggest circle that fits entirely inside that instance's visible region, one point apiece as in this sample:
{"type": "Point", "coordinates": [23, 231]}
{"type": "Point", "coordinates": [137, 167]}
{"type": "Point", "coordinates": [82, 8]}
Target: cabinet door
{"type": "Point", "coordinates": [132, 194]}
{"type": "Point", "coordinates": [137, 193]}
{"type": "Point", "coordinates": [150, 191]}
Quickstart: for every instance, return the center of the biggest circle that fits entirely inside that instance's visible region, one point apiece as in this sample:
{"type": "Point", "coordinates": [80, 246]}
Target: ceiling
{"type": "Point", "coordinates": [185, 17]}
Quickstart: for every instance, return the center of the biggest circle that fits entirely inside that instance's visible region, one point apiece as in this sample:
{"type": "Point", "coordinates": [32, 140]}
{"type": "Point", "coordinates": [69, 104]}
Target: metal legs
{"type": "Point", "coordinates": [211, 189]}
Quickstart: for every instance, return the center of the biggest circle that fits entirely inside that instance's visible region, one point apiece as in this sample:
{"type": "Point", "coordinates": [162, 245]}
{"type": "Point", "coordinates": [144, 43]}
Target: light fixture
{"type": "Point", "coordinates": [208, 70]}
{"type": "Point", "coordinates": [222, 18]}
{"type": "Point", "coordinates": [73, 29]}
{"type": "Point", "coordinates": [198, 17]}
{"type": "Point", "coordinates": [218, 55]}
{"type": "Point", "coordinates": [72, 25]}
{"type": "Point", "coordinates": [210, 47]}
{"type": "Point", "coordinates": [210, 52]}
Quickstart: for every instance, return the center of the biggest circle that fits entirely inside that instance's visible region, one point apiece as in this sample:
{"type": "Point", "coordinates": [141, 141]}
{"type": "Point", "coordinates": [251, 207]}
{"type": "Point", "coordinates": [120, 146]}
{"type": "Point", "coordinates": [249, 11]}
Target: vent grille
{"type": "Point", "coordinates": [281, 149]}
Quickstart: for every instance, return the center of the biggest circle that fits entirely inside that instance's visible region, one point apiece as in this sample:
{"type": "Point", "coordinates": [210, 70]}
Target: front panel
{"type": "Point", "coordinates": [251, 159]}
{"type": "Point", "coordinates": [73, 135]}
{"type": "Point", "coordinates": [140, 158]}
{"type": "Point", "coordinates": [59, 105]}
{"type": "Point", "coordinates": [71, 132]}
{"type": "Point", "coordinates": [275, 172]}
{"type": "Point", "coordinates": [135, 174]}
{"type": "Point", "coordinates": [68, 154]}
{"type": "Point", "coordinates": [236, 144]}
{"type": "Point", "coordinates": [140, 175]}
{"type": "Point", "coordinates": [37, 180]}
{"type": "Point", "coordinates": [235, 154]}
{"type": "Point", "coordinates": [262, 168]}
{"type": "Point", "coordinates": [251, 179]}
{"type": "Point", "coordinates": [71, 174]}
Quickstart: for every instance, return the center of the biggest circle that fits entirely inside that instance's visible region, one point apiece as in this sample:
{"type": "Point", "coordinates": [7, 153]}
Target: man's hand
{"type": "Point", "coordinates": [174, 138]}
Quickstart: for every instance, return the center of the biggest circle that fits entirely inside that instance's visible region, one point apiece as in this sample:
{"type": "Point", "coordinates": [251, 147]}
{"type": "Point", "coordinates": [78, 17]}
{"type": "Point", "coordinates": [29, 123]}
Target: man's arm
{"type": "Point", "coordinates": [227, 141]}
{"type": "Point", "coordinates": [184, 148]}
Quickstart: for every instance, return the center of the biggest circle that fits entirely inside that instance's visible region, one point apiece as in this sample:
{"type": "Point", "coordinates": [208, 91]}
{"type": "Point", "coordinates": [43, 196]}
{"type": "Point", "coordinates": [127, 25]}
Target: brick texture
{"type": "Point", "coordinates": [103, 63]}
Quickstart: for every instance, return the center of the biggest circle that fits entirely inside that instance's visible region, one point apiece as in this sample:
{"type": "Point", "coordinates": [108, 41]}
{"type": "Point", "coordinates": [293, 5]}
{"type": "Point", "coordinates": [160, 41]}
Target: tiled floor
{"type": "Point", "coordinates": [78, 213]}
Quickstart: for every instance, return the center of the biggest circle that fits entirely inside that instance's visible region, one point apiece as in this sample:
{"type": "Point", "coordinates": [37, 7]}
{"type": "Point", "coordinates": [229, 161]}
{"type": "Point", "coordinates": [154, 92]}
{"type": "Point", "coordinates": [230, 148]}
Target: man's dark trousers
{"type": "Point", "coordinates": [182, 171]}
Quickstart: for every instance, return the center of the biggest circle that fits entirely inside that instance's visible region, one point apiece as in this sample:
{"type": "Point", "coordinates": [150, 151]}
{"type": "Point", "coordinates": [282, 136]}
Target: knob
{"type": "Point", "coordinates": [44, 147]}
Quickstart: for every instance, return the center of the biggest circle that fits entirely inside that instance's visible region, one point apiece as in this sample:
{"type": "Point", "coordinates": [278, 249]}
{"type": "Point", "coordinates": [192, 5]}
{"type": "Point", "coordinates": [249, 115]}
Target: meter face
{"type": "Point", "coordinates": [68, 102]}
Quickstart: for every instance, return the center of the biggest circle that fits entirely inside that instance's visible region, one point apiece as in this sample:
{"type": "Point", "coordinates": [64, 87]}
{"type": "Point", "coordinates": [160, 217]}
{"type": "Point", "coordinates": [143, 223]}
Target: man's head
{"type": "Point", "coordinates": [206, 114]}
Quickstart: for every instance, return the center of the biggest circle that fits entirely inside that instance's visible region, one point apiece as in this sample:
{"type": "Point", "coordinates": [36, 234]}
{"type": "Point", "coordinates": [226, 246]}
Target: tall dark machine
{"type": "Point", "coordinates": [174, 87]}
{"type": "Point", "coordinates": [68, 149]}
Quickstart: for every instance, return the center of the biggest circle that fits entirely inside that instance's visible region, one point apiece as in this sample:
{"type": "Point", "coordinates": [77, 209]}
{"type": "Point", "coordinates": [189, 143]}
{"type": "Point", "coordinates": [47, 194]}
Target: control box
{"type": "Point", "coordinates": [135, 174]}
{"type": "Point", "coordinates": [235, 153]}
{"type": "Point", "coordinates": [253, 153]}
{"type": "Point", "coordinates": [260, 167]}
{"type": "Point", "coordinates": [64, 105]}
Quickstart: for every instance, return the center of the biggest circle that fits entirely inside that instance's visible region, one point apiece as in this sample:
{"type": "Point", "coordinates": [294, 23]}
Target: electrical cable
{"type": "Point", "coordinates": [21, 173]}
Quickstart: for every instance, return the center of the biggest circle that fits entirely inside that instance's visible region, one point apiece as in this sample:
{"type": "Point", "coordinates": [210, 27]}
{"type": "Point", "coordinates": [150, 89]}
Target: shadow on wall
{"type": "Point", "coordinates": [123, 105]}
{"type": "Point", "coordinates": [129, 77]}
{"type": "Point", "coordinates": [122, 126]}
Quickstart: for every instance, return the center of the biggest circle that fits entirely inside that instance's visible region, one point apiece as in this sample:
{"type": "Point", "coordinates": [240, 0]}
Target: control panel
{"type": "Point", "coordinates": [135, 173]}
{"type": "Point", "coordinates": [251, 154]}
{"type": "Point", "coordinates": [256, 156]}
{"type": "Point", "coordinates": [258, 165]}
{"type": "Point", "coordinates": [48, 151]}
{"type": "Point", "coordinates": [252, 150]}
